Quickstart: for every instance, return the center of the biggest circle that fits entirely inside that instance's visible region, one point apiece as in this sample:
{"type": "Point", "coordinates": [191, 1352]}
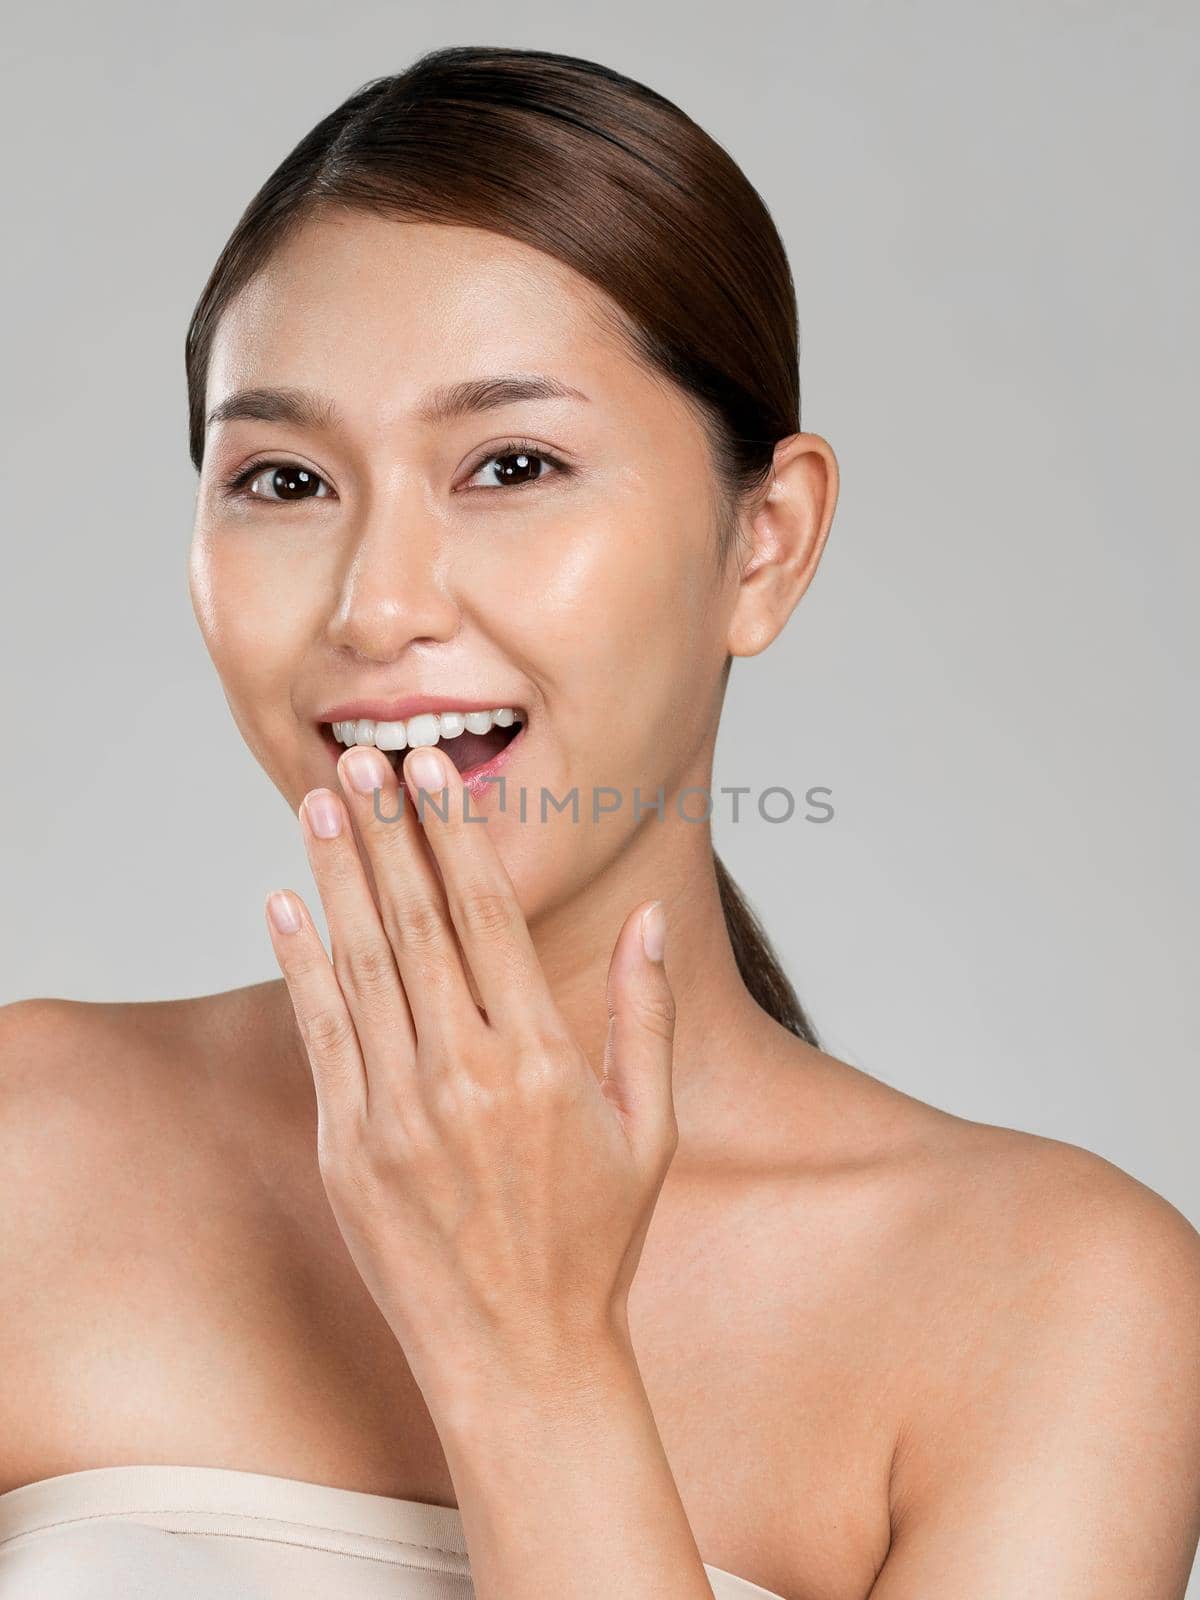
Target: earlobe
{"type": "Point", "coordinates": [786, 534]}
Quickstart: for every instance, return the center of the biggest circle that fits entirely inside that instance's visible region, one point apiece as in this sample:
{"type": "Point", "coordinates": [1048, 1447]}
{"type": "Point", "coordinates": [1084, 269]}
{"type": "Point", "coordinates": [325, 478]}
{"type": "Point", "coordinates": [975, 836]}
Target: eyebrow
{"type": "Point", "coordinates": [304, 408]}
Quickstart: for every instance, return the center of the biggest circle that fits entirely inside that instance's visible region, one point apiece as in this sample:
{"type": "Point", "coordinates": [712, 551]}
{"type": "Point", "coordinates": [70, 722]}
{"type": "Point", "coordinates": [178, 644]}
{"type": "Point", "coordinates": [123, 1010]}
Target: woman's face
{"type": "Point", "coordinates": [555, 555]}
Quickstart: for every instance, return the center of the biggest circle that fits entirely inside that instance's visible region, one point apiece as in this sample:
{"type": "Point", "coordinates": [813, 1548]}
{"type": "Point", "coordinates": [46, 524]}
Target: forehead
{"type": "Point", "coordinates": [381, 309]}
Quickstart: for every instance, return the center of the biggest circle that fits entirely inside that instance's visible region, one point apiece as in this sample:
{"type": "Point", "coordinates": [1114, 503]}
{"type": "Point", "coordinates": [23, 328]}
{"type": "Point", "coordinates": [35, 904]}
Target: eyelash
{"type": "Point", "coordinates": [235, 486]}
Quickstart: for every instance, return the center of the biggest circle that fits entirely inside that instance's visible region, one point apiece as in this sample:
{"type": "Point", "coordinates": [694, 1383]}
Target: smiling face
{"type": "Point", "coordinates": [553, 555]}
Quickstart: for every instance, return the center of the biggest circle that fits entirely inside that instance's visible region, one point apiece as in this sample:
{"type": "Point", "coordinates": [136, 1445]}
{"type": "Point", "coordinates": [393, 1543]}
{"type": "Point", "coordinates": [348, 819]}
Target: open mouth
{"type": "Point", "coordinates": [474, 740]}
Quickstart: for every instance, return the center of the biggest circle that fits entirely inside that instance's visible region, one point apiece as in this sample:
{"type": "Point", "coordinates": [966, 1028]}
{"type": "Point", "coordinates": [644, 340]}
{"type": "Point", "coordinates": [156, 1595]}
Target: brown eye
{"type": "Point", "coordinates": [516, 465]}
{"type": "Point", "coordinates": [279, 481]}
{"type": "Point", "coordinates": [522, 468]}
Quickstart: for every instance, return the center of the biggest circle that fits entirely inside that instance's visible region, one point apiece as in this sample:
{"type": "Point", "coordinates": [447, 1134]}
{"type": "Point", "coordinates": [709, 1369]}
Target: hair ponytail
{"type": "Point", "coordinates": [761, 970]}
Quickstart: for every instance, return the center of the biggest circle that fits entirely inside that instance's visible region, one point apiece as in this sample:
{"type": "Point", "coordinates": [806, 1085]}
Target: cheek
{"type": "Point", "coordinates": [614, 616]}
{"type": "Point", "coordinates": [601, 585]}
{"type": "Point", "coordinates": [252, 617]}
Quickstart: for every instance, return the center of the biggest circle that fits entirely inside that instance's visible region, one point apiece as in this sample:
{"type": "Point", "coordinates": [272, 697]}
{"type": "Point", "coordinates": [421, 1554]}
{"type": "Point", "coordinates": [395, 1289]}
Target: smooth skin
{"type": "Point", "coordinates": [886, 1351]}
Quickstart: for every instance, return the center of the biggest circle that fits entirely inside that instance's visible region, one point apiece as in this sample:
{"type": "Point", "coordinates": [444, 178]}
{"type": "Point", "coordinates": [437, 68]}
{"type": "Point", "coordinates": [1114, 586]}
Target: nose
{"type": "Point", "coordinates": [392, 591]}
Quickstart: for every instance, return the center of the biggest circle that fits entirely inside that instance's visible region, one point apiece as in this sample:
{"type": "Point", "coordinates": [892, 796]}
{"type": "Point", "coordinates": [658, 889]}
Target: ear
{"type": "Point", "coordinates": [782, 538]}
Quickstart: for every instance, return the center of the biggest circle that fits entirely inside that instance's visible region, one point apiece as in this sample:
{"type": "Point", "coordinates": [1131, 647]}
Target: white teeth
{"type": "Point", "coordinates": [390, 735]}
{"type": "Point", "coordinates": [425, 729]}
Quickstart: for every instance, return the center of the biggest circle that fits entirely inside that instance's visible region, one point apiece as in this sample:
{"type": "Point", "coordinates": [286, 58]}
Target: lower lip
{"type": "Point", "coordinates": [476, 780]}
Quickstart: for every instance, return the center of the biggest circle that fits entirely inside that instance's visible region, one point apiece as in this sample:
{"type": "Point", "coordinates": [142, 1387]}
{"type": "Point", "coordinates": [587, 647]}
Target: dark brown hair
{"type": "Point", "coordinates": [613, 179]}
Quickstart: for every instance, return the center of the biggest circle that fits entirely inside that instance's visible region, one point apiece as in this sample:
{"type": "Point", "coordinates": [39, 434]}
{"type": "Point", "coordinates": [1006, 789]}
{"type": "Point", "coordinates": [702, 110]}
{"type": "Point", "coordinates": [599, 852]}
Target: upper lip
{"type": "Point", "coordinates": [411, 705]}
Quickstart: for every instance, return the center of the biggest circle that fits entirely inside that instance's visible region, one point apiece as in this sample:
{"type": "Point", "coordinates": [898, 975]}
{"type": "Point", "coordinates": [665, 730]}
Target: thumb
{"type": "Point", "coordinates": [641, 1030]}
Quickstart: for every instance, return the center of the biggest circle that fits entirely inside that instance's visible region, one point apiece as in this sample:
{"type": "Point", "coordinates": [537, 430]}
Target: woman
{"type": "Point", "coordinates": [532, 1246]}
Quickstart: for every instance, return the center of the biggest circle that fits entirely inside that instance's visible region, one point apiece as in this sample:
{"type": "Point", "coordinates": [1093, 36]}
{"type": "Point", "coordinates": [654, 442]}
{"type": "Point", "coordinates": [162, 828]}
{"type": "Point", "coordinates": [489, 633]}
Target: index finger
{"type": "Point", "coordinates": [482, 902]}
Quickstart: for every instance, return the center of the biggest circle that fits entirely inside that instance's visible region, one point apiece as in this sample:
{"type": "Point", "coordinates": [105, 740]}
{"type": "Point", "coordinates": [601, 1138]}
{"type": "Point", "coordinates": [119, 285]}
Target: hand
{"type": "Point", "coordinates": [493, 1190]}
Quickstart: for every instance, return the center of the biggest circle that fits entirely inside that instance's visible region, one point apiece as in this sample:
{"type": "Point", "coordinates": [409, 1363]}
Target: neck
{"type": "Point", "coordinates": [721, 1032]}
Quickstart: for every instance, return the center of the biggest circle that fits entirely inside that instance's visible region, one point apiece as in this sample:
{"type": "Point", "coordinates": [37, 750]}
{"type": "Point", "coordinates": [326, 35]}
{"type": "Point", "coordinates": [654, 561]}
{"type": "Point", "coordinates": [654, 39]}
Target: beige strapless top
{"type": "Point", "coordinates": [114, 1533]}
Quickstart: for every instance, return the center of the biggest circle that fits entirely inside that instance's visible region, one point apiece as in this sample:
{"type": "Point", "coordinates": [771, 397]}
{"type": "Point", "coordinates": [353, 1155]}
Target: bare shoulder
{"type": "Point", "coordinates": [1039, 1224]}
{"type": "Point", "coordinates": [54, 1045]}
{"type": "Point", "coordinates": [60, 1059]}
{"type": "Point", "coordinates": [91, 1090]}
{"type": "Point", "coordinates": [1030, 1339]}
{"type": "Point", "coordinates": [971, 1207]}
{"type": "Point", "coordinates": [42, 1031]}
{"type": "Point", "coordinates": [1008, 1237]}
{"type": "Point", "coordinates": [1026, 1189]}
{"type": "Point", "coordinates": [1050, 1426]}
{"type": "Point", "coordinates": [122, 1191]}
{"type": "Point", "coordinates": [996, 1332]}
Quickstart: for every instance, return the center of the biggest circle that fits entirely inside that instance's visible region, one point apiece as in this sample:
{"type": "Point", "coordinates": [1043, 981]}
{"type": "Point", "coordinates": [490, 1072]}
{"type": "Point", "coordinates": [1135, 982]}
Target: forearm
{"type": "Point", "coordinates": [564, 1487]}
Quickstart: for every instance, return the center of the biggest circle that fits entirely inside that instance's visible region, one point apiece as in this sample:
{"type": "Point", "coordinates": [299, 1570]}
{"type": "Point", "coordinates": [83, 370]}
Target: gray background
{"type": "Point", "coordinates": [995, 257]}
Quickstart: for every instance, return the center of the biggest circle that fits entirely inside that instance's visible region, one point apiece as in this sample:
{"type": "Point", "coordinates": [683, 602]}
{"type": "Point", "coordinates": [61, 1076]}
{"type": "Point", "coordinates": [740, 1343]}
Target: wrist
{"type": "Point", "coordinates": [542, 1381]}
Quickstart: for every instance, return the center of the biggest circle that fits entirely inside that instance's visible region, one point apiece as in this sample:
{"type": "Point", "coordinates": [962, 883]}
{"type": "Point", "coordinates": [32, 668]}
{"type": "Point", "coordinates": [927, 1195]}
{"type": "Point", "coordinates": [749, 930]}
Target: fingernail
{"type": "Point", "coordinates": [282, 912]}
{"type": "Point", "coordinates": [324, 813]}
{"type": "Point", "coordinates": [424, 766]}
{"type": "Point", "coordinates": [366, 768]}
{"type": "Point", "coordinates": [654, 931]}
